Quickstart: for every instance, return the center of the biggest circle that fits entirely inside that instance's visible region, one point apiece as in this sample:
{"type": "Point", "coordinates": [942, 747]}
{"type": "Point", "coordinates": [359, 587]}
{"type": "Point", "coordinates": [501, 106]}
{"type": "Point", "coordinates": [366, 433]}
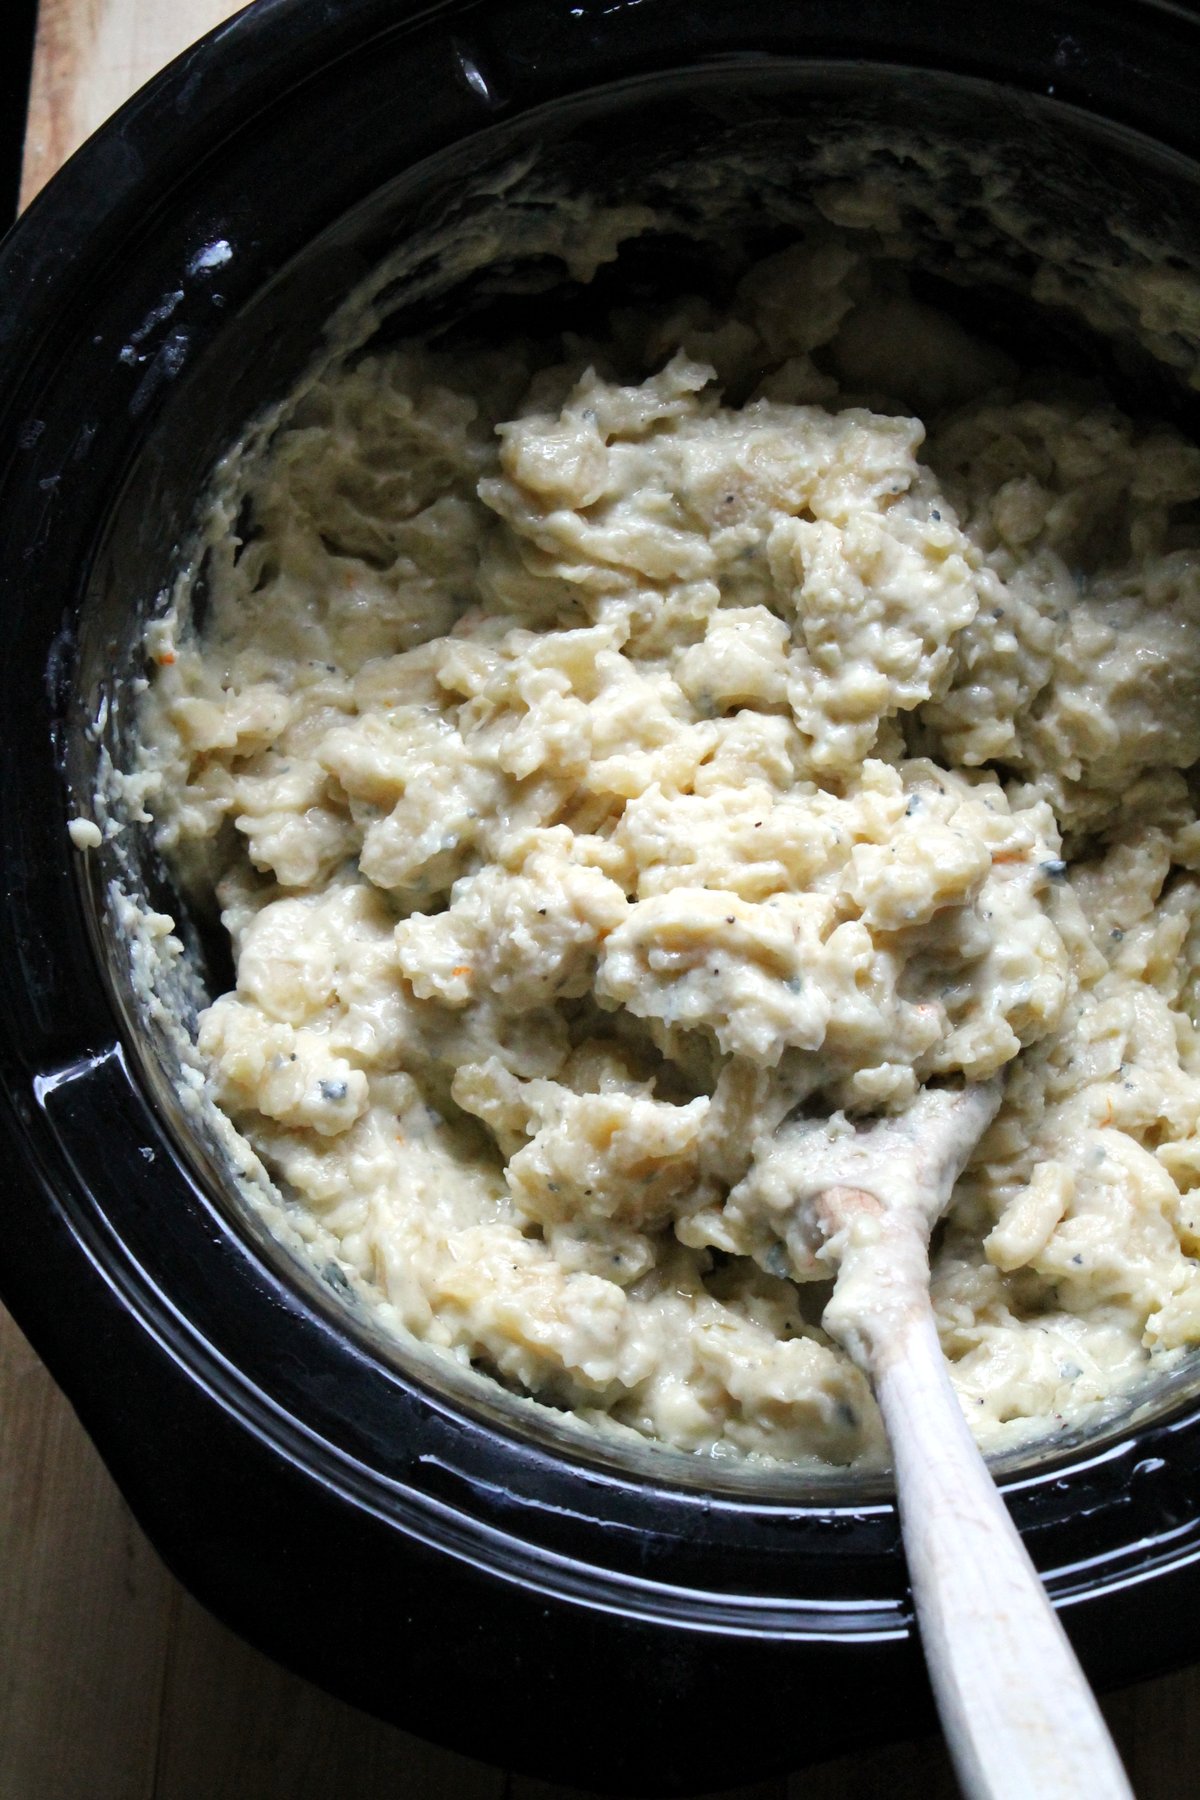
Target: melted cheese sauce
{"type": "Point", "coordinates": [597, 758]}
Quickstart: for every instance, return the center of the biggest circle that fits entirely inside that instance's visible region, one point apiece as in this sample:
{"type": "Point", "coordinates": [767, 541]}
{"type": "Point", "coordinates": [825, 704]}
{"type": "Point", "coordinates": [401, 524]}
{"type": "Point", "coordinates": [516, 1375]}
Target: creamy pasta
{"type": "Point", "coordinates": [600, 753]}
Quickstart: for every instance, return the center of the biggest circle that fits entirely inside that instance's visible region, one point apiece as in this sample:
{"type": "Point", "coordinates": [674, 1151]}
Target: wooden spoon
{"type": "Point", "coordinates": [1020, 1719]}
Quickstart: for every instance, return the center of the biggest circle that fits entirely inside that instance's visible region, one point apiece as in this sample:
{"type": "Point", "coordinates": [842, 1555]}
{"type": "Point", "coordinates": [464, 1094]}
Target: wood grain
{"type": "Point", "coordinates": [90, 56]}
{"type": "Point", "coordinates": [114, 1684]}
{"type": "Point", "coordinates": [84, 1605]}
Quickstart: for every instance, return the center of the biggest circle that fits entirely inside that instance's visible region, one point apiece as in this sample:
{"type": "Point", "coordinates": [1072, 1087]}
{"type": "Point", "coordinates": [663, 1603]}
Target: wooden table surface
{"type": "Point", "coordinates": [114, 1684]}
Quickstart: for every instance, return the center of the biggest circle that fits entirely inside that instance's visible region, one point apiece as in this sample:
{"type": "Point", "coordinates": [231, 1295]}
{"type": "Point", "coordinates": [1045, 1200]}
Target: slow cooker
{"type": "Point", "coordinates": [436, 1551]}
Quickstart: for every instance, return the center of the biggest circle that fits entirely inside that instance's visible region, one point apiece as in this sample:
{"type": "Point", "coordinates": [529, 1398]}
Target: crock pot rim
{"type": "Point", "coordinates": [1057, 1465]}
{"type": "Point", "coordinates": [768, 1488]}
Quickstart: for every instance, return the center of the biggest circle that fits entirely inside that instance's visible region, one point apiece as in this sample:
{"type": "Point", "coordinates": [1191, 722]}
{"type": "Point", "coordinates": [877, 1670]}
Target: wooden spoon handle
{"type": "Point", "coordinates": [1019, 1716]}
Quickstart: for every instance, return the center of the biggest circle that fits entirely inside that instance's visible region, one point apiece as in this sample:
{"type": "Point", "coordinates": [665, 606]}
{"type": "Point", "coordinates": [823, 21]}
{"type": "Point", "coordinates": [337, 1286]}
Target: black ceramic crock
{"type": "Point", "coordinates": [629, 1624]}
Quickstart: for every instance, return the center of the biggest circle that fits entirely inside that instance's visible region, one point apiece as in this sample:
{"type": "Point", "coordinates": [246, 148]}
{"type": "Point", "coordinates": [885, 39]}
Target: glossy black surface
{"type": "Point", "coordinates": [506, 1594]}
